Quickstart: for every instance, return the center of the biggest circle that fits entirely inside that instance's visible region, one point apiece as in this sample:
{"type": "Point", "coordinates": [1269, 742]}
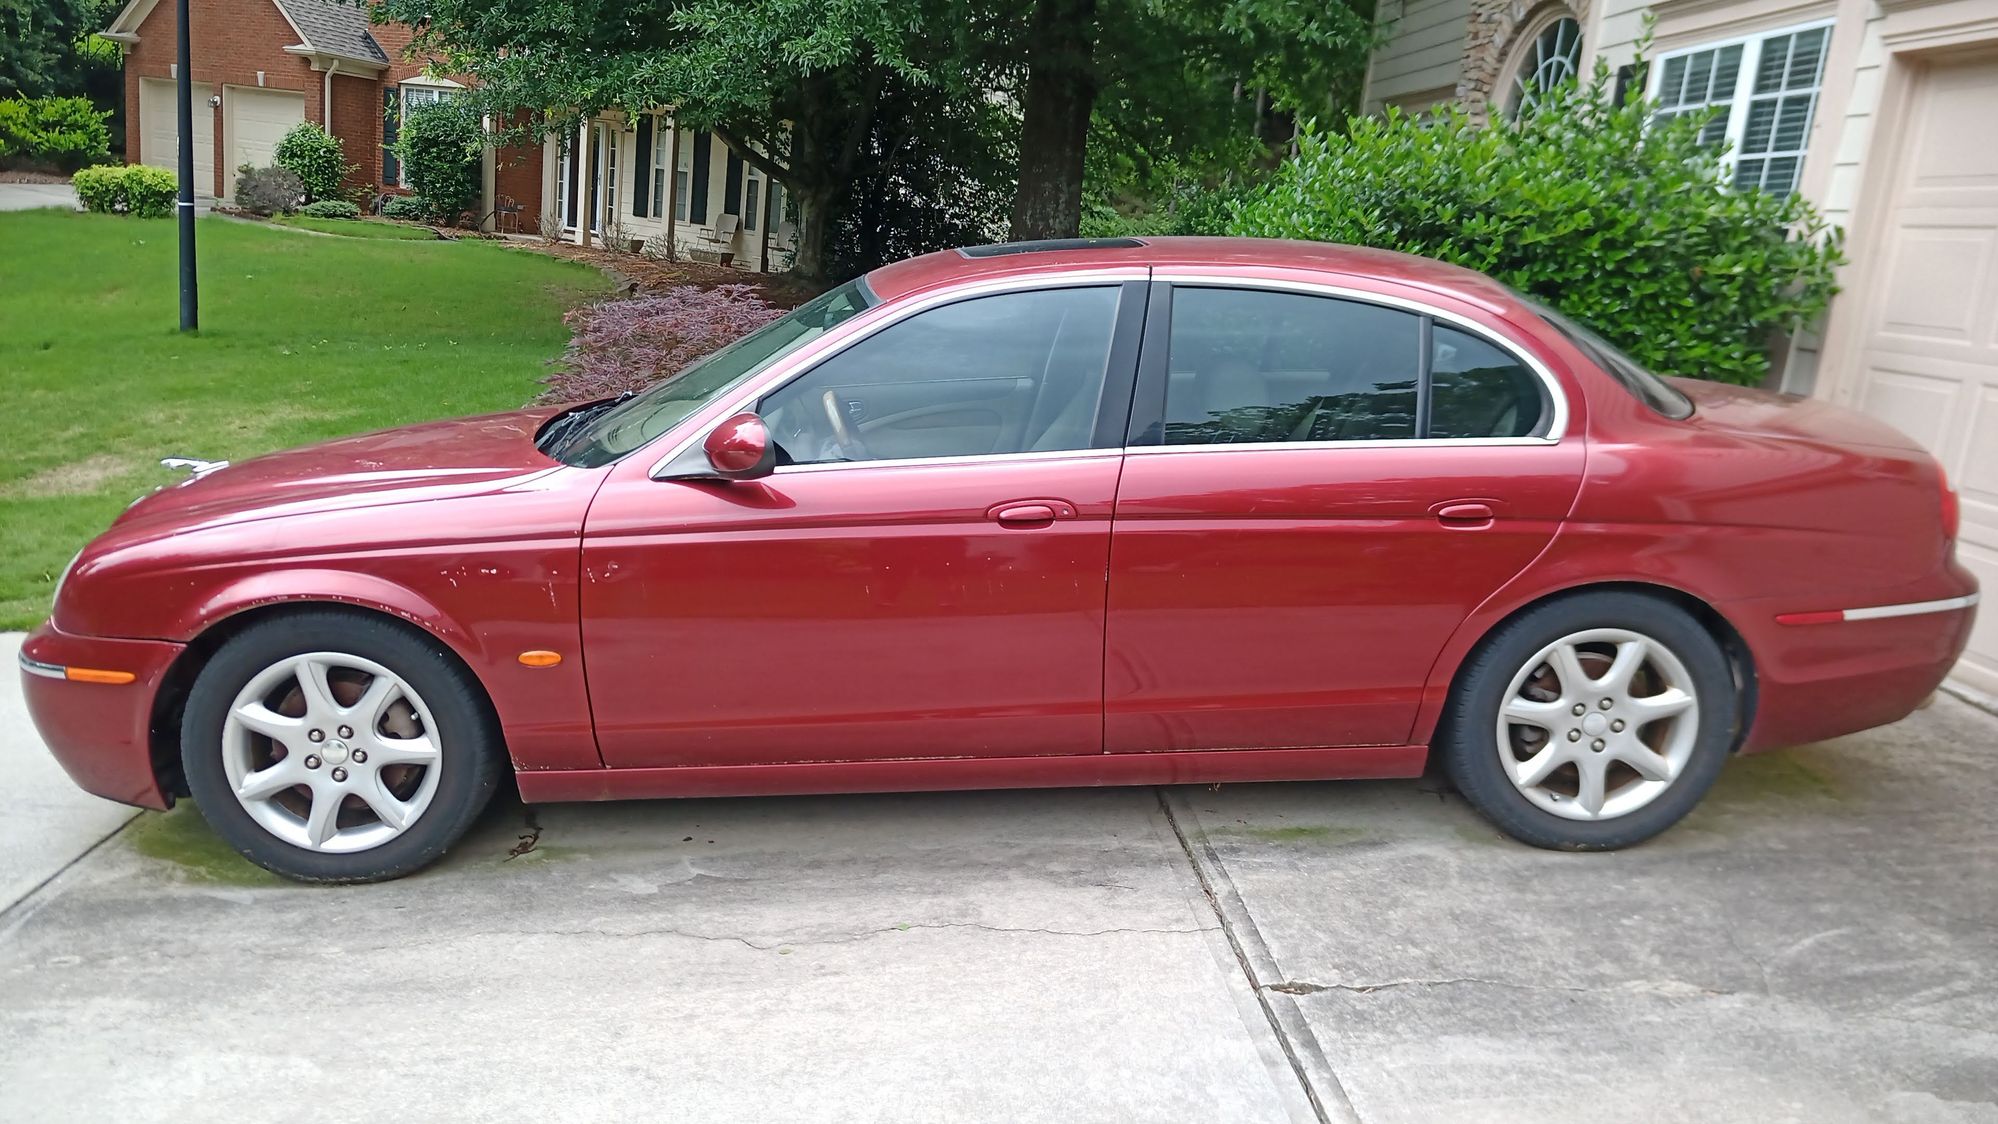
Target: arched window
{"type": "Point", "coordinates": [1552, 56]}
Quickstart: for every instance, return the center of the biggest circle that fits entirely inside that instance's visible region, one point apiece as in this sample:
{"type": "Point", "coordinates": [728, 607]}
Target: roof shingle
{"type": "Point", "coordinates": [334, 27]}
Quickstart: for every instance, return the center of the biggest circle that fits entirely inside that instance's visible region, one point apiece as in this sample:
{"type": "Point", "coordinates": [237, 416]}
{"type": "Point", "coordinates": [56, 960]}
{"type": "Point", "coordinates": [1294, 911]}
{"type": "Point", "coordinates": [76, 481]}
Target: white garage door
{"type": "Point", "coordinates": [1929, 363]}
{"type": "Point", "coordinates": [253, 121]}
{"type": "Point", "coordinates": [158, 135]}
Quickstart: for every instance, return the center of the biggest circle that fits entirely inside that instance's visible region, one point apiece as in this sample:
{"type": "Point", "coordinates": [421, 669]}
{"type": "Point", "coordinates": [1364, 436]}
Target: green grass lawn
{"type": "Point", "coordinates": [360, 228]}
{"type": "Point", "coordinates": [302, 339]}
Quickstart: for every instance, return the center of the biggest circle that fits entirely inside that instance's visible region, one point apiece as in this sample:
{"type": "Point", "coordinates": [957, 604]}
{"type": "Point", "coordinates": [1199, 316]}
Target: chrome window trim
{"type": "Point", "coordinates": [1557, 399]}
{"type": "Point", "coordinates": [862, 327]}
{"type": "Point", "coordinates": [936, 462]}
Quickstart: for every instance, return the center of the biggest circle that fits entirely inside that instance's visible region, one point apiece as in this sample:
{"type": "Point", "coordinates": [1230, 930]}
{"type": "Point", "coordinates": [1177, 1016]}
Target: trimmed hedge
{"type": "Point", "coordinates": [315, 157]}
{"type": "Point", "coordinates": [1622, 221]}
{"type": "Point", "coordinates": [127, 189]}
{"type": "Point", "coordinates": [439, 147]}
{"type": "Point", "coordinates": [65, 133]}
{"type": "Point", "coordinates": [331, 209]}
{"type": "Point", "coordinates": [409, 208]}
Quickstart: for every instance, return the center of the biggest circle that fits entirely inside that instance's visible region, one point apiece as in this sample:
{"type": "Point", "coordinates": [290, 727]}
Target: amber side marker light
{"type": "Point", "coordinates": [540, 659]}
{"type": "Point", "coordinates": [97, 675]}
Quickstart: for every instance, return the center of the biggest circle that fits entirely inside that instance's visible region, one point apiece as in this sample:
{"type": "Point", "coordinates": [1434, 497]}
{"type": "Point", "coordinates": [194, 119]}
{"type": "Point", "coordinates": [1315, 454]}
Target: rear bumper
{"type": "Point", "coordinates": [99, 730]}
{"type": "Point", "coordinates": [1832, 670]}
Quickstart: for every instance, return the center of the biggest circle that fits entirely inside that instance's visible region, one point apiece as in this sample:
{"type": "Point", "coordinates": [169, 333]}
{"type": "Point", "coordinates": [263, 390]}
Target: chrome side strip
{"type": "Point", "coordinates": [1912, 608]}
{"type": "Point", "coordinates": [45, 670]}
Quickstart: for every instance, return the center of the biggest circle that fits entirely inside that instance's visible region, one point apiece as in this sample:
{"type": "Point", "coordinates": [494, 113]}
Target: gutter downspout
{"type": "Point", "coordinates": [326, 99]}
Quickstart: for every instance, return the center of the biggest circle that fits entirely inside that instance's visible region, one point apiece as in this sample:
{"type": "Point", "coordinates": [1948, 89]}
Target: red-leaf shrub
{"type": "Point", "coordinates": [631, 344]}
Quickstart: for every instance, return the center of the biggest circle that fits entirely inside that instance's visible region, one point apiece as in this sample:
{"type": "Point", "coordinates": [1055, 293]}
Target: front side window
{"type": "Point", "coordinates": [1008, 373]}
{"type": "Point", "coordinates": [414, 98]}
{"type": "Point", "coordinates": [1251, 366]}
{"type": "Point", "coordinates": [1764, 94]}
{"type": "Point", "coordinates": [618, 429]}
{"type": "Point", "coordinates": [660, 154]}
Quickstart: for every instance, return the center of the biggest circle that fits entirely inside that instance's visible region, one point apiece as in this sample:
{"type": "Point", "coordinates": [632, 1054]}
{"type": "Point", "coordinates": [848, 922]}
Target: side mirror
{"type": "Point", "coordinates": [740, 448]}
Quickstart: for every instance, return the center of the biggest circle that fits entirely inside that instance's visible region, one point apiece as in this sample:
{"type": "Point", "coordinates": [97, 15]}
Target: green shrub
{"type": "Point", "coordinates": [66, 133]}
{"type": "Point", "coordinates": [268, 191]}
{"type": "Point", "coordinates": [1623, 222]}
{"type": "Point", "coordinates": [315, 156]}
{"type": "Point", "coordinates": [439, 148]}
{"type": "Point", "coordinates": [136, 190]}
{"type": "Point", "coordinates": [410, 208]}
{"type": "Point", "coordinates": [331, 209]}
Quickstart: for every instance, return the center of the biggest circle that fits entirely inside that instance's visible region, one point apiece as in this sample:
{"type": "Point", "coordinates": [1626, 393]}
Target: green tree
{"type": "Point", "coordinates": [439, 146]}
{"type": "Point", "coordinates": [794, 86]}
{"type": "Point", "coordinates": [50, 47]}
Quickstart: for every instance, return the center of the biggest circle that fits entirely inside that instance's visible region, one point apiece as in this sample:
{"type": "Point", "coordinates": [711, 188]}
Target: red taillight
{"type": "Point", "coordinates": [1952, 509]}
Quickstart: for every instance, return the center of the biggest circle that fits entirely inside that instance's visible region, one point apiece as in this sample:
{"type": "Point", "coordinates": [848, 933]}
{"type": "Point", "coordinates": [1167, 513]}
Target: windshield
{"type": "Point", "coordinates": [628, 425]}
{"type": "Point", "coordinates": [1649, 388]}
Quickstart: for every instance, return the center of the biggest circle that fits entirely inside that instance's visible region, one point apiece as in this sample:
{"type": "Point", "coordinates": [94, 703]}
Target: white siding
{"type": "Point", "coordinates": [1423, 52]}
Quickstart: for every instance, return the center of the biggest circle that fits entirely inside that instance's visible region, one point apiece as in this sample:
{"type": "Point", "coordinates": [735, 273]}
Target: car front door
{"type": "Point", "coordinates": [923, 574]}
{"type": "Point", "coordinates": [1320, 489]}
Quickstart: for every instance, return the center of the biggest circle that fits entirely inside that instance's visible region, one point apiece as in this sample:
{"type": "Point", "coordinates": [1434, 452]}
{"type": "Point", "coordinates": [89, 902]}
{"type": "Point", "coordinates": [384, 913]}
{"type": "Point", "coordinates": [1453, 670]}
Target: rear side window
{"type": "Point", "coordinates": [1251, 366]}
{"type": "Point", "coordinates": [1477, 390]}
{"type": "Point", "coordinates": [1248, 366]}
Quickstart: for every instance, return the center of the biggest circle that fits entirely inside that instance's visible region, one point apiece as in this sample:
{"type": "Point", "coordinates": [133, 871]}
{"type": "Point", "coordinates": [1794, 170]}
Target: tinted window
{"type": "Point", "coordinates": [1477, 390]}
{"type": "Point", "coordinates": [1256, 366]}
{"type": "Point", "coordinates": [1647, 387]}
{"type": "Point", "coordinates": [1010, 373]}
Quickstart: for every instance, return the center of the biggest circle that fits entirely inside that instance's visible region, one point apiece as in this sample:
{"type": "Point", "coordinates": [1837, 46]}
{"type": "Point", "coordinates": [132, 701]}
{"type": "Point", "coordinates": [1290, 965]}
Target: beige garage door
{"type": "Point", "coordinates": [158, 135]}
{"type": "Point", "coordinates": [253, 121]}
{"type": "Point", "coordinates": [1929, 363]}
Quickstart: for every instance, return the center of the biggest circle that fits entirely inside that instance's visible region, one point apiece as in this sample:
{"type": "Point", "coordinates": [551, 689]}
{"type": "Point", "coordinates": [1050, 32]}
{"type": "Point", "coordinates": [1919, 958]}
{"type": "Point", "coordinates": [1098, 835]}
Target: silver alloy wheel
{"type": "Point", "coordinates": [331, 752]}
{"type": "Point", "coordinates": [1598, 724]}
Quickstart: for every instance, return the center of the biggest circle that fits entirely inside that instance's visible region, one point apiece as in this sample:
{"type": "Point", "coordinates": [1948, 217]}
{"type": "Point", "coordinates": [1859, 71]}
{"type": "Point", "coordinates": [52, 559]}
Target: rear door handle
{"type": "Point", "coordinates": [1030, 513]}
{"type": "Point", "coordinates": [1466, 513]}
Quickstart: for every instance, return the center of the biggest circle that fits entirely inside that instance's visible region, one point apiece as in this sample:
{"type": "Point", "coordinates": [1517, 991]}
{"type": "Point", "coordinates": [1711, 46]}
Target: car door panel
{"type": "Point", "coordinates": [1274, 597]}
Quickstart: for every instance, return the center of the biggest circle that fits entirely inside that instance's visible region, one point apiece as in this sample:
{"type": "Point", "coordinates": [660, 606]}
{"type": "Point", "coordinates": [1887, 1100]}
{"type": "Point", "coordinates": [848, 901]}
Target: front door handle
{"type": "Point", "coordinates": [1467, 513]}
{"type": "Point", "coordinates": [1025, 514]}
{"type": "Point", "coordinates": [1030, 512]}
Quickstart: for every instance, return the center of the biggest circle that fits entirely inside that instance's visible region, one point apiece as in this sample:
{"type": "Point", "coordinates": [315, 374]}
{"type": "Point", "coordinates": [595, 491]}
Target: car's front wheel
{"type": "Point", "coordinates": [333, 747]}
{"type": "Point", "coordinates": [1592, 722]}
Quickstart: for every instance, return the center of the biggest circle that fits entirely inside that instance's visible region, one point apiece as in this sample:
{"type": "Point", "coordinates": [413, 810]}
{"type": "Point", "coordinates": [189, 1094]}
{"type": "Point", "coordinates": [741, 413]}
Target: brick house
{"type": "Point", "coordinates": [262, 66]}
{"type": "Point", "coordinates": [1883, 113]}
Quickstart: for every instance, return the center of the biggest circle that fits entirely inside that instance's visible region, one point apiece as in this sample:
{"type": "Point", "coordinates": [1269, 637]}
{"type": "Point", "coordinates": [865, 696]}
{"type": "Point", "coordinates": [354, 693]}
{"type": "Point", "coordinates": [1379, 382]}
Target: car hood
{"type": "Point", "coordinates": [1741, 409]}
{"type": "Point", "coordinates": [416, 462]}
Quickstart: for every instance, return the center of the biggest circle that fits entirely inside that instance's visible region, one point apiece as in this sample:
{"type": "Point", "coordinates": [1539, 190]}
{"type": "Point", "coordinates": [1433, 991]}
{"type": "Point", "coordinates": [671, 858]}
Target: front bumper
{"type": "Point", "coordinates": [96, 722]}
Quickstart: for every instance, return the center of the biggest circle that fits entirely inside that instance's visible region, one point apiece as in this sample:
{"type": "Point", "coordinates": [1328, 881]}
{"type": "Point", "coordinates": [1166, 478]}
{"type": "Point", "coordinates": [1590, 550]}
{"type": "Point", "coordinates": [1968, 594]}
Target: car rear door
{"type": "Point", "coordinates": [922, 576]}
{"type": "Point", "coordinates": [1322, 485]}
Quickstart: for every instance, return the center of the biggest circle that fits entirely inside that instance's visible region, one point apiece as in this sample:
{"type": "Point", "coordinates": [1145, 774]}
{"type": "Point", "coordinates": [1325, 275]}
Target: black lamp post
{"type": "Point", "coordinates": [190, 315]}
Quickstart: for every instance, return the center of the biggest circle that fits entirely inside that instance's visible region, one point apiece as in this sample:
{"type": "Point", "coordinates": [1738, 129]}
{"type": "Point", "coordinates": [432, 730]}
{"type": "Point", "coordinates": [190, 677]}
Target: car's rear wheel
{"type": "Point", "coordinates": [332, 747]}
{"type": "Point", "coordinates": [1591, 722]}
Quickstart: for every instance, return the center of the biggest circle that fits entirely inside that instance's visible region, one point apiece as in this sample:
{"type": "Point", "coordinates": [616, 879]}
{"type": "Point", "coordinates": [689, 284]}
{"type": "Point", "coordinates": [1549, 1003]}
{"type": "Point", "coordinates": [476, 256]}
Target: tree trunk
{"type": "Point", "coordinates": [808, 259]}
{"type": "Point", "coordinates": [1054, 126]}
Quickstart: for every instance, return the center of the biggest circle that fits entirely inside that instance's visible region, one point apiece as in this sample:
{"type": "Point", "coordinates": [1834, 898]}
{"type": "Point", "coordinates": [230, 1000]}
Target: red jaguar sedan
{"type": "Point", "coordinates": [1067, 513]}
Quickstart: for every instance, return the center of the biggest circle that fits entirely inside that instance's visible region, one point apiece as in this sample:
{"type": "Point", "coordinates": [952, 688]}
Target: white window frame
{"type": "Point", "coordinates": [684, 182]}
{"type": "Point", "coordinates": [752, 199]}
{"type": "Point", "coordinates": [438, 89]}
{"type": "Point", "coordinates": [662, 148]}
{"type": "Point", "coordinates": [1752, 46]}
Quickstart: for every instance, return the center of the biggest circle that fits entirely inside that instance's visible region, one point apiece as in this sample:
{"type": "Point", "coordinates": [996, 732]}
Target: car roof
{"type": "Point", "coordinates": [977, 263]}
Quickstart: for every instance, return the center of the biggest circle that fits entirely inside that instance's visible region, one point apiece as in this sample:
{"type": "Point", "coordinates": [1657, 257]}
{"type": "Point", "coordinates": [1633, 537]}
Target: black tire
{"type": "Point", "coordinates": [1468, 750]}
{"type": "Point", "coordinates": [470, 747]}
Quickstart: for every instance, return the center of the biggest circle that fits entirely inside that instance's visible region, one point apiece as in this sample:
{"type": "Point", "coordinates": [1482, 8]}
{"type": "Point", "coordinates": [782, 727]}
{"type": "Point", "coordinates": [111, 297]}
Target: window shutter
{"type": "Point", "coordinates": [391, 129]}
{"type": "Point", "coordinates": [641, 170]}
{"type": "Point", "coordinates": [575, 181]}
{"type": "Point", "coordinates": [732, 185]}
{"type": "Point", "coordinates": [697, 199]}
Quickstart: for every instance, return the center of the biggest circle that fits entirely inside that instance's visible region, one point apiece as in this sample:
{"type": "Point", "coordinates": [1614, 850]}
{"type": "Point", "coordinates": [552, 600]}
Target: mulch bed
{"type": "Point", "coordinates": [31, 177]}
{"type": "Point", "coordinates": [640, 273]}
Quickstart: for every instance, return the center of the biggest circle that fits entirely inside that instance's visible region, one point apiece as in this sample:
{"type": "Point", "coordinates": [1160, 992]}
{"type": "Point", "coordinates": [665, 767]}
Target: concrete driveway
{"type": "Point", "coordinates": [1819, 943]}
{"type": "Point", "coordinates": [29, 196]}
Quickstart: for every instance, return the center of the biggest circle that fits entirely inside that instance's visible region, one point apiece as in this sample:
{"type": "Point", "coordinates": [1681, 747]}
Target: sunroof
{"type": "Point", "coordinates": [1001, 249]}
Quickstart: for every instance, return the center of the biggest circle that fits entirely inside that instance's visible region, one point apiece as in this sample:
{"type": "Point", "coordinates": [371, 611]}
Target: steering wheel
{"type": "Point", "coordinates": [850, 445]}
